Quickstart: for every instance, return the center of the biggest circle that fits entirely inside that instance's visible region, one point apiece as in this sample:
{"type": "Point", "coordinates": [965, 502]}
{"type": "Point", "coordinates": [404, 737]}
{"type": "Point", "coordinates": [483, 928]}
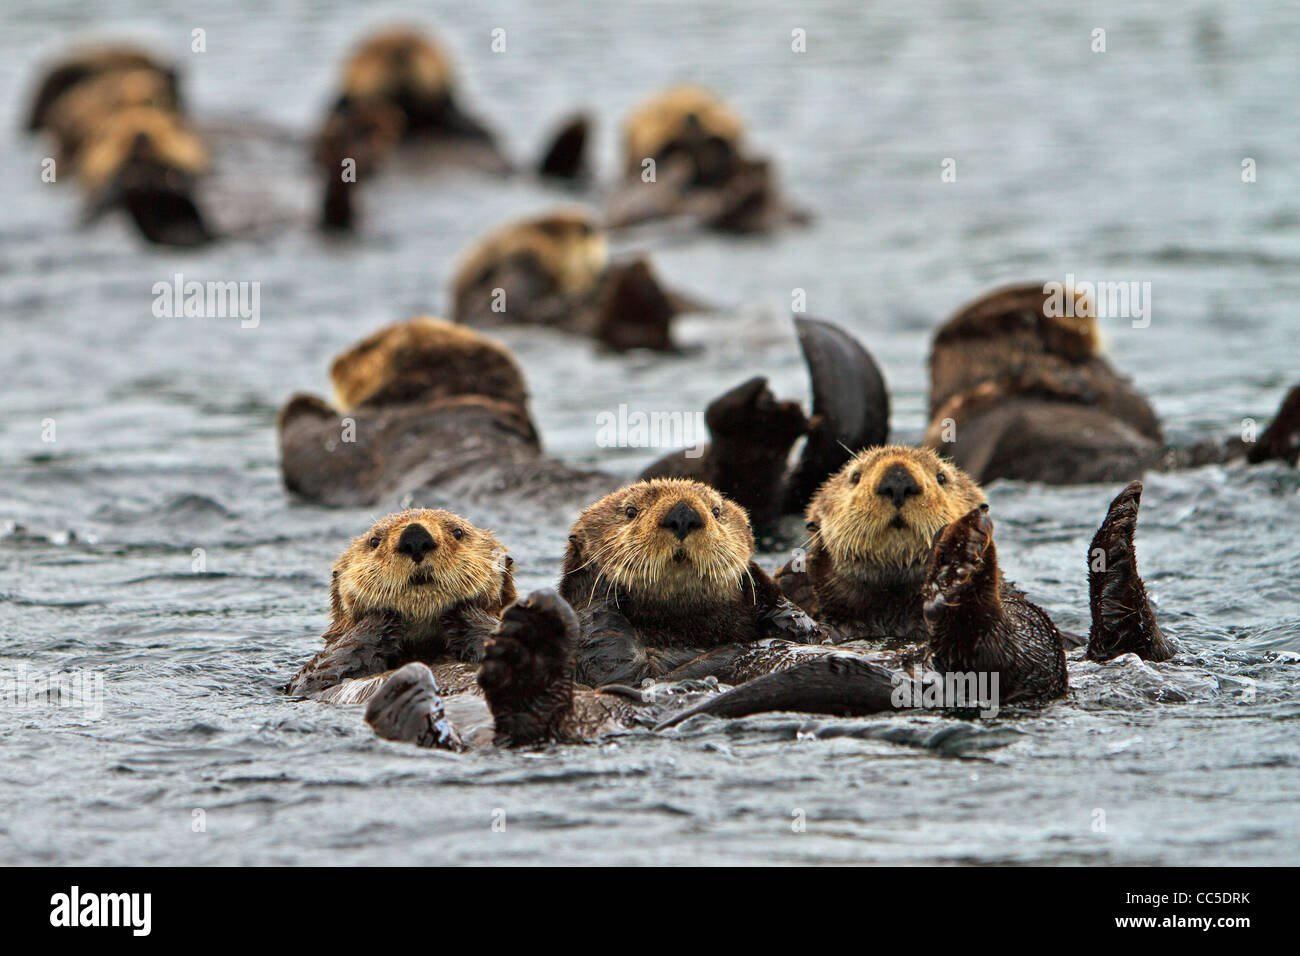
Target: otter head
{"type": "Point", "coordinates": [422, 360]}
{"type": "Point", "coordinates": [419, 563]}
{"type": "Point", "coordinates": [665, 540]}
{"type": "Point", "coordinates": [686, 124]}
{"type": "Point", "coordinates": [885, 506]}
{"type": "Point", "coordinates": [86, 64]}
{"type": "Point", "coordinates": [566, 248]}
{"type": "Point", "coordinates": [399, 65]}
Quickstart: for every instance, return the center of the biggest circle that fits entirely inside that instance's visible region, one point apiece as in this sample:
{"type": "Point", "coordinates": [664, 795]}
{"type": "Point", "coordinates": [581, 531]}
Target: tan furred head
{"type": "Point", "coordinates": [75, 114]}
{"type": "Point", "coordinates": [1061, 322]}
{"type": "Point", "coordinates": [158, 135]}
{"type": "Point", "coordinates": [566, 245]}
{"type": "Point", "coordinates": [397, 59]}
{"type": "Point", "coordinates": [419, 563]}
{"type": "Point", "coordinates": [667, 115]}
{"type": "Point", "coordinates": [885, 505]}
{"type": "Point", "coordinates": [82, 65]}
{"type": "Point", "coordinates": [665, 539]}
{"type": "Point", "coordinates": [424, 359]}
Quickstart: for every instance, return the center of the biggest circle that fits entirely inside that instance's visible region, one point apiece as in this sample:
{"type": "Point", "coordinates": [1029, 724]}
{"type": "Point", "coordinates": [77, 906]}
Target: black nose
{"type": "Point", "coordinates": [682, 520]}
{"type": "Point", "coordinates": [898, 484]}
{"type": "Point", "coordinates": [416, 542]}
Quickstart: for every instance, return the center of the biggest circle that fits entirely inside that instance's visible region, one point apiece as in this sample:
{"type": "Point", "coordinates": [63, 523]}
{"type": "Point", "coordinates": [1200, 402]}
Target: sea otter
{"type": "Point", "coordinates": [1018, 390]}
{"type": "Point", "coordinates": [871, 528]}
{"type": "Point", "coordinates": [420, 585]}
{"type": "Point", "coordinates": [554, 270]}
{"type": "Point", "coordinates": [661, 572]}
{"type": "Point", "coordinates": [977, 626]}
{"type": "Point", "coordinates": [431, 406]}
{"type": "Point", "coordinates": [115, 116]}
{"type": "Point", "coordinates": [147, 161]}
{"type": "Point", "coordinates": [82, 66]}
{"type": "Point", "coordinates": [683, 155]}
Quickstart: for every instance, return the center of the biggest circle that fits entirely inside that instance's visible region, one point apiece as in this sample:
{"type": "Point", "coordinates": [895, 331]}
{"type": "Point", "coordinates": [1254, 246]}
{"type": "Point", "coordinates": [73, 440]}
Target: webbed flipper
{"type": "Point", "coordinates": [1123, 621]}
{"type": "Point", "coordinates": [835, 684]}
{"type": "Point", "coordinates": [850, 406]}
{"type": "Point", "coordinates": [409, 709]}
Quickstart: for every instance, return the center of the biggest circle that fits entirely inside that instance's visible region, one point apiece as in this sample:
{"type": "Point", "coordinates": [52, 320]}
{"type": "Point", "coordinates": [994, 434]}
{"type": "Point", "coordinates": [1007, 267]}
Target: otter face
{"type": "Point", "coordinates": [667, 539]}
{"type": "Point", "coordinates": [565, 249]}
{"type": "Point", "coordinates": [887, 503]}
{"type": "Point", "coordinates": [419, 563]}
{"type": "Point", "coordinates": [687, 123]}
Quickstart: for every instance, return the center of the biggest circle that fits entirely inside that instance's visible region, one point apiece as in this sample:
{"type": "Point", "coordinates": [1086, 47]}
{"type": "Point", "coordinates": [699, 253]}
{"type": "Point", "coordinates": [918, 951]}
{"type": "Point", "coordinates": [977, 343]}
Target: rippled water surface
{"type": "Point", "coordinates": [1118, 165]}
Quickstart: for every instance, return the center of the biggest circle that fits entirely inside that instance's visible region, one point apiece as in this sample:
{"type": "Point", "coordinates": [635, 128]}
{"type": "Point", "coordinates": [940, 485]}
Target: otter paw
{"type": "Point", "coordinates": [958, 554]}
{"type": "Point", "coordinates": [408, 709]}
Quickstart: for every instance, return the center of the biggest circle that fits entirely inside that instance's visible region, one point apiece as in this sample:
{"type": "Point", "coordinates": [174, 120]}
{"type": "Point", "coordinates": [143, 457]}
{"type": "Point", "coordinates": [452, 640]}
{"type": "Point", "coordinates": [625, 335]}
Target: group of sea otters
{"type": "Point", "coordinates": [898, 580]}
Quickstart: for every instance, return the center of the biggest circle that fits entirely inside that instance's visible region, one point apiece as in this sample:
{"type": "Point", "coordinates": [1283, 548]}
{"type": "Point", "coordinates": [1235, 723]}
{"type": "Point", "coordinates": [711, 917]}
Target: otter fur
{"type": "Point", "coordinates": [1019, 390]}
{"type": "Point", "coordinates": [693, 142]}
{"type": "Point", "coordinates": [420, 585]}
{"type": "Point", "coordinates": [661, 572]}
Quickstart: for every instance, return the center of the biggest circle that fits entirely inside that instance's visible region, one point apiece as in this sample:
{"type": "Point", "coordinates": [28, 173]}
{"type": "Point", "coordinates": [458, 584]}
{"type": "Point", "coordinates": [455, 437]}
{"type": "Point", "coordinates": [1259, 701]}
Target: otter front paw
{"type": "Point", "coordinates": [955, 560]}
{"type": "Point", "coordinates": [409, 709]}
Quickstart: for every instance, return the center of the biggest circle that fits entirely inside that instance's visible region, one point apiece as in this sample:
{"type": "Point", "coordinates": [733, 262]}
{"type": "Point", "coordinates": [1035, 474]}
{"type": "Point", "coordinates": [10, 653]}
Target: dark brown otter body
{"type": "Point", "coordinates": [530, 695]}
{"type": "Point", "coordinates": [420, 585]}
{"type": "Point", "coordinates": [700, 170]}
{"type": "Point", "coordinates": [1018, 391]}
{"type": "Point", "coordinates": [554, 270]}
{"type": "Point", "coordinates": [662, 572]}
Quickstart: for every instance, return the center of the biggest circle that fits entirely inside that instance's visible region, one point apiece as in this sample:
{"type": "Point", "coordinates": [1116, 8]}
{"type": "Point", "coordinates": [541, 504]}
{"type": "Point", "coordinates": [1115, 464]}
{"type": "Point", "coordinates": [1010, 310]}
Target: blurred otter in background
{"type": "Point", "coordinates": [398, 89]}
{"type": "Point", "coordinates": [555, 270]}
{"type": "Point", "coordinates": [1019, 390]}
{"type": "Point", "coordinates": [114, 113]}
{"type": "Point", "coordinates": [683, 155]}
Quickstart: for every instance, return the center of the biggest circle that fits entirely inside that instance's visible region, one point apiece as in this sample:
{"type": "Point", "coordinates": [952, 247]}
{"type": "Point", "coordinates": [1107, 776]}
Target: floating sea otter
{"type": "Point", "coordinates": [430, 405]}
{"type": "Point", "coordinates": [399, 88]}
{"type": "Point", "coordinates": [683, 155]}
{"type": "Point", "coordinates": [1018, 390]}
{"type": "Point", "coordinates": [978, 628]}
{"type": "Point", "coordinates": [420, 585]}
{"type": "Point", "coordinates": [115, 115]}
{"type": "Point", "coordinates": [555, 270]}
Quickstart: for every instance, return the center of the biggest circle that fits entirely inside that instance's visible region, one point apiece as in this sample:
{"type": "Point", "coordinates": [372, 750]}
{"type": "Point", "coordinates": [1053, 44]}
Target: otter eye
{"type": "Point", "coordinates": [717, 512]}
{"type": "Point", "coordinates": [941, 477]}
{"type": "Point", "coordinates": [855, 477]}
{"type": "Point", "coordinates": [631, 512]}
{"type": "Point", "coordinates": [457, 533]}
{"type": "Point", "coordinates": [374, 542]}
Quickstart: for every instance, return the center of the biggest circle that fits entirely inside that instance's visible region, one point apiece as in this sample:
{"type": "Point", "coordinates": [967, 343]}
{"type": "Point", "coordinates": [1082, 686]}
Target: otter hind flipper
{"type": "Point", "coordinates": [409, 709]}
{"type": "Point", "coordinates": [1122, 618]}
{"type": "Point", "coordinates": [835, 684]}
{"type": "Point", "coordinates": [1281, 439]}
{"type": "Point", "coordinates": [850, 406]}
{"type": "Point", "coordinates": [566, 154]}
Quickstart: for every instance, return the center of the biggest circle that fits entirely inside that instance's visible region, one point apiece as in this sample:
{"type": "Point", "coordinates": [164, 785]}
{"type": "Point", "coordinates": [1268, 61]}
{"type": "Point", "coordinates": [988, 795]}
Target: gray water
{"type": "Point", "coordinates": [1123, 165]}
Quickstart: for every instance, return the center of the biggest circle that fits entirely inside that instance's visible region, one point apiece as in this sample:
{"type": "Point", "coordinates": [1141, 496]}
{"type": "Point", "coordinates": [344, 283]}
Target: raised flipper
{"type": "Point", "coordinates": [835, 684]}
{"type": "Point", "coordinates": [1122, 619]}
{"type": "Point", "coordinates": [528, 670]}
{"type": "Point", "coordinates": [1281, 439]}
{"type": "Point", "coordinates": [752, 434]}
{"type": "Point", "coordinates": [630, 309]}
{"type": "Point", "coordinates": [408, 709]}
{"type": "Point", "coordinates": [850, 407]}
{"type": "Point", "coordinates": [566, 156]}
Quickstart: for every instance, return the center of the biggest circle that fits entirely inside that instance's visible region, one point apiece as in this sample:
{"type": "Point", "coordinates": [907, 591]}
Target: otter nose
{"type": "Point", "coordinates": [416, 542]}
{"type": "Point", "coordinates": [898, 485]}
{"type": "Point", "coordinates": [682, 520]}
